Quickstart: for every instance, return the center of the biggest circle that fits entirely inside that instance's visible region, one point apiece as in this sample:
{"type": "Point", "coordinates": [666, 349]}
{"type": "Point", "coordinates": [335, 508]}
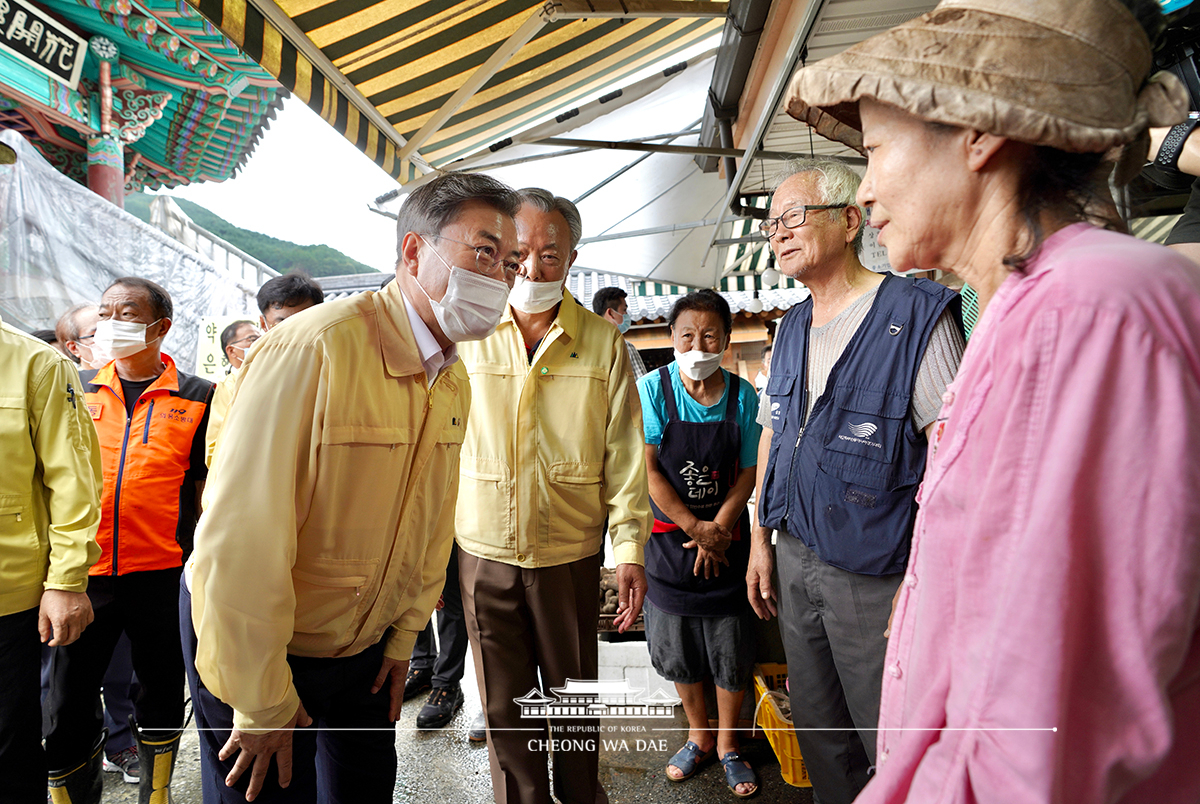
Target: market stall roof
{"type": "Point", "coordinates": [416, 84]}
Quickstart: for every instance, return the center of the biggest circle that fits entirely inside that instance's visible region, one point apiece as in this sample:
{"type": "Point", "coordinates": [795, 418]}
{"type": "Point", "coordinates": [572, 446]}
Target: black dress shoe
{"type": "Point", "coordinates": [443, 704]}
{"type": "Point", "coordinates": [417, 681]}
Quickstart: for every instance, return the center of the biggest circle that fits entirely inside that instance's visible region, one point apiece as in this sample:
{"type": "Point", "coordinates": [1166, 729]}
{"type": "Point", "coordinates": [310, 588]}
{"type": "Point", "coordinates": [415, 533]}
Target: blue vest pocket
{"type": "Point", "coordinates": [861, 528]}
{"type": "Point", "coordinates": [868, 424]}
{"type": "Point", "coordinates": [780, 397]}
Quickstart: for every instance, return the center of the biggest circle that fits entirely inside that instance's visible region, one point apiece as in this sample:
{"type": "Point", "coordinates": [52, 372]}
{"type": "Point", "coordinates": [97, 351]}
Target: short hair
{"type": "Point", "coordinates": [432, 207]}
{"type": "Point", "coordinates": [837, 183]}
{"type": "Point", "coordinates": [289, 290]}
{"type": "Point", "coordinates": [45, 335]}
{"type": "Point", "coordinates": [766, 350]}
{"type": "Point", "coordinates": [547, 201]}
{"type": "Point", "coordinates": [160, 300]}
{"type": "Point", "coordinates": [606, 299]}
{"type": "Point", "coordinates": [706, 301]}
{"type": "Point", "coordinates": [230, 332]}
{"type": "Point", "coordinates": [67, 327]}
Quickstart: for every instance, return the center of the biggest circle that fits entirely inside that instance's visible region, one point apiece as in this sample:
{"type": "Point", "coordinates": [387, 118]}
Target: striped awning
{"type": "Point", "coordinates": [418, 84]}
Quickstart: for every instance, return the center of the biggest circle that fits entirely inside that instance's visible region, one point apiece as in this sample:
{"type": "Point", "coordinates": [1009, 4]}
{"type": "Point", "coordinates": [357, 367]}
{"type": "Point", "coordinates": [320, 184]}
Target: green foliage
{"type": "Point", "coordinates": [281, 255]}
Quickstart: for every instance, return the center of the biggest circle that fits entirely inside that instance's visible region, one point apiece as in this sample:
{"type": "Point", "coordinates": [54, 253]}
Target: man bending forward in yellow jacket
{"type": "Point", "coordinates": [324, 546]}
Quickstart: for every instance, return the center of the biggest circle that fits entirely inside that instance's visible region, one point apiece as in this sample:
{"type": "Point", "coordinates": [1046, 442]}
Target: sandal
{"type": "Point", "coordinates": [738, 771]}
{"type": "Point", "coordinates": [689, 759]}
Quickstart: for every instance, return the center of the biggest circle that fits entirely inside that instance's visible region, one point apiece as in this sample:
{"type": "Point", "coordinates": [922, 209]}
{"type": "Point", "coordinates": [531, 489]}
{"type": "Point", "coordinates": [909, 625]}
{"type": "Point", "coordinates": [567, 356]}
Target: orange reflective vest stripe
{"type": "Point", "coordinates": [148, 508]}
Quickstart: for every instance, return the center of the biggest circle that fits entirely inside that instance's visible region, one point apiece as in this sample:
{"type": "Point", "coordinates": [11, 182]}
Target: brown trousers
{"type": "Point", "coordinates": [522, 622]}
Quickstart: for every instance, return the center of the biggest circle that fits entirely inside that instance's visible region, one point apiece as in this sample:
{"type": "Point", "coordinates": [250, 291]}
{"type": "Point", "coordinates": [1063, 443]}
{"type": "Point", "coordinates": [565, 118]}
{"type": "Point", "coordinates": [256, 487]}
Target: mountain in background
{"type": "Point", "coordinates": [281, 255]}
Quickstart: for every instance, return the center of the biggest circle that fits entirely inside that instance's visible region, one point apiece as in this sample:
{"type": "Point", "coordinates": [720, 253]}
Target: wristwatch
{"type": "Point", "coordinates": [1172, 145]}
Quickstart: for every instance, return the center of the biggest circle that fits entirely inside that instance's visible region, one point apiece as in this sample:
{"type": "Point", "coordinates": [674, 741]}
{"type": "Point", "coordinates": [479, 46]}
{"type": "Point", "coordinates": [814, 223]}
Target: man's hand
{"type": "Point", "coordinates": [63, 616]}
{"type": "Point", "coordinates": [258, 749]}
{"type": "Point", "coordinates": [397, 670]}
{"type": "Point", "coordinates": [758, 577]}
{"type": "Point", "coordinates": [888, 632]}
{"type": "Point", "coordinates": [712, 536]}
{"type": "Point", "coordinates": [707, 561]}
{"type": "Point", "coordinates": [631, 591]}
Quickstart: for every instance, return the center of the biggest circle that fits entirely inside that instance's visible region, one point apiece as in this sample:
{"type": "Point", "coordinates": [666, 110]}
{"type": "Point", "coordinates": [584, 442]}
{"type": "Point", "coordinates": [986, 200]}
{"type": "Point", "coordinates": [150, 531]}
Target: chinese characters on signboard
{"type": "Point", "coordinates": [43, 43]}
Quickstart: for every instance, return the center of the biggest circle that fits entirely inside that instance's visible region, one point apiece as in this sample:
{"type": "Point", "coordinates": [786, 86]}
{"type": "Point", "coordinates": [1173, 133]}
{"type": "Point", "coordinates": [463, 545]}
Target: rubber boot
{"type": "Point", "coordinates": [80, 783]}
{"type": "Point", "coordinates": [156, 755]}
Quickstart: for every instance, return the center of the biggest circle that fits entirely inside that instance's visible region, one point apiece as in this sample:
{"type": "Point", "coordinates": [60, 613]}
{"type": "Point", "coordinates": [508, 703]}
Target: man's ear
{"type": "Point", "coordinates": [854, 222]}
{"type": "Point", "coordinates": [164, 327]}
{"type": "Point", "coordinates": [410, 248]}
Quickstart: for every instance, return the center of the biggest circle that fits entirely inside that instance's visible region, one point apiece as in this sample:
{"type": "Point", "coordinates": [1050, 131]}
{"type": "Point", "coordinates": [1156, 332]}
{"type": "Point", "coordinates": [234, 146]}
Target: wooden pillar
{"type": "Point", "coordinates": [106, 153]}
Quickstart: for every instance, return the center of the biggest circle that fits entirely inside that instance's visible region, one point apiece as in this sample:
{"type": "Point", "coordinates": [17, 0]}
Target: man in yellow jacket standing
{"type": "Point", "coordinates": [555, 455]}
{"type": "Point", "coordinates": [49, 513]}
{"type": "Point", "coordinates": [328, 526]}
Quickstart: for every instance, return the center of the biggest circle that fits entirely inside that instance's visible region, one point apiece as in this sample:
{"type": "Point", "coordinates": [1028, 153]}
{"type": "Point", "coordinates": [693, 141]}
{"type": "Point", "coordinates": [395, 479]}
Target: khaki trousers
{"type": "Point", "coordinates": [522, 623]}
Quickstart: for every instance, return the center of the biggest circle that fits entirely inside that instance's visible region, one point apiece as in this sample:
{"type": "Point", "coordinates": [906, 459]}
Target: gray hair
{"type": "Point", "coordinates": [67, 327]}
{"type": "Point", "coordinates": [547, 201]}
{"type": "Point", "coordinates": [433, 206]}
{"type": "Point", "coordinates": [837, 183]}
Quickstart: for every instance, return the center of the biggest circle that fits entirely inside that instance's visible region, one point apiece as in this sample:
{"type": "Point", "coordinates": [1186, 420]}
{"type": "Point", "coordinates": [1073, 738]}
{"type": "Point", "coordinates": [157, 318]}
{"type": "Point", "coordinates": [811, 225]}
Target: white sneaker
{"type": "Point", "coordinates": [124, 762]}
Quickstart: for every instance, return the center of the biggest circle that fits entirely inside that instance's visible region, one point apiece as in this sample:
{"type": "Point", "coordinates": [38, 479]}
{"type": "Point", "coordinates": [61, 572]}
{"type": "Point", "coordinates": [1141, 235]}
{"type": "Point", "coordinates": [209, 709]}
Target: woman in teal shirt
{"type": "Point", "coordinates": [701, 450]}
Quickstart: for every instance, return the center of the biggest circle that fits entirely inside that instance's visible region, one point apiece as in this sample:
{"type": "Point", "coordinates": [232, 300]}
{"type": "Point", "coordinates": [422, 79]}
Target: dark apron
{"type": "Point", "coordinates": [700, 461]}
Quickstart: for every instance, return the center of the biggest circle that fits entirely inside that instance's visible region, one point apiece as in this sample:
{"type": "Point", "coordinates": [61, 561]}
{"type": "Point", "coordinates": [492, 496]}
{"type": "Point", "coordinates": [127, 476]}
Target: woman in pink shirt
{"type": "Point", "coordinates": [1044, 643]}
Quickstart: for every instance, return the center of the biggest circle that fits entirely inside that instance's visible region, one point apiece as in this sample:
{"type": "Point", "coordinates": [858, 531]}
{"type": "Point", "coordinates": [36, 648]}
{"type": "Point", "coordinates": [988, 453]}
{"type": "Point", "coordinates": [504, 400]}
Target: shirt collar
{"type": "Point", "coordinates": [567, 318]}
{"type": "Point", "coordinates": [433, 357]}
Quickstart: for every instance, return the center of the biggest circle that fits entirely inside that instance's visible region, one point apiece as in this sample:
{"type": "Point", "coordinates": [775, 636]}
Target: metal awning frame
{"type": "Point", "coordinates": [797, 47]}
{"type": "Point", "coordinates": [554, 11]}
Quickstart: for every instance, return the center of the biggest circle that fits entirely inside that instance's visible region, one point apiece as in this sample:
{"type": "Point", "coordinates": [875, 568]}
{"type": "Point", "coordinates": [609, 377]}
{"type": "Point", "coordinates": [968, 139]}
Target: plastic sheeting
{"type": "Point", "coordinates": [61, 244]}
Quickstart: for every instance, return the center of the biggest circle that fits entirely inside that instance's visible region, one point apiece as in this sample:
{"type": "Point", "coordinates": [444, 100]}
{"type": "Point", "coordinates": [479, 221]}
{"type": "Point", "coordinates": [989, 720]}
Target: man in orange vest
{"type": "Point", "coordinates": [150, 418]}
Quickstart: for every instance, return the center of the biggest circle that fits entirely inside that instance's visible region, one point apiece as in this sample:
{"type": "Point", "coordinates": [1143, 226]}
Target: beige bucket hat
{"type": "Point", "coordinates": [1071, 74]}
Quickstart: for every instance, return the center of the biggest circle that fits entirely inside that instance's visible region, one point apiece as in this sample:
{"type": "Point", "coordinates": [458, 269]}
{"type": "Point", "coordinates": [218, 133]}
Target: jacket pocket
{"type": "Point", "coordinates": [780, 397]}
{"type": "Point", "coordinates": [330, 592]}
{"type": "Point", "coordinates": [19, 458]}
{"type": "Point", "coordinates": [862, 437]}
{"type": "Point", "coordinates": [484, 498]}
{"type": "Point", "coordinates": [22, 555]}
{"type": "Point", "coordinates": [576, 499]}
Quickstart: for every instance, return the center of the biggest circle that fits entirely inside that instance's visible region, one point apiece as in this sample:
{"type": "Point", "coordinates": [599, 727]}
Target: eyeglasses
{"type": "Point", "coordinates": [486, 258]}
{"type": "Point", "coordinates": [247, 339]}
{"type": "Point", "coordinates": [793, 218]}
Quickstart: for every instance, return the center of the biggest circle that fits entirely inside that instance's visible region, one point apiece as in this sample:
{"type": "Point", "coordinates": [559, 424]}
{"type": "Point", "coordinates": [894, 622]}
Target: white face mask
{"type": "Point", "coordinates": [535, 297]}
{"type": "Point", "coordinates": [626, 322]}
{"type": "Point", "coordinates": [471, 307]}
{"type": "Point", "coordinates": [698, 365]}
{"type": "Point", "coordinates": [116, 339]}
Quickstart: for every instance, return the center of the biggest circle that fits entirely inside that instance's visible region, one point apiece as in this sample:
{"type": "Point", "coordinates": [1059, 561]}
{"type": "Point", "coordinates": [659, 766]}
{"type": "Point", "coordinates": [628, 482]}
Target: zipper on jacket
{"type": "Point", "coordinates": [787, 507]}
{"type": "Point", "coordinates": [116, 517]}
{"type": "Point", "coordinates": [149, 416]}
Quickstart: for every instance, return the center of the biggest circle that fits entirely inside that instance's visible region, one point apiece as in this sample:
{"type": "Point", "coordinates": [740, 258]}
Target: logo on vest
{"type": "Point", "coordinates": [894, 329]}
{"type": "Point", "coordinates": [862, 434]}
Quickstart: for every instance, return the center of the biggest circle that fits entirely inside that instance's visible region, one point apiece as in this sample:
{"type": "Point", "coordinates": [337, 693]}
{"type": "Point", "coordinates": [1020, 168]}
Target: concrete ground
{"type": "Point", "coordinates": [444, 767]}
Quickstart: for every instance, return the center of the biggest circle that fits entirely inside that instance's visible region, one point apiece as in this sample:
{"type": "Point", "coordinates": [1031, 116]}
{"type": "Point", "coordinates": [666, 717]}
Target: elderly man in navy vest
{"type": "Point", "coordinates": [856, 385]}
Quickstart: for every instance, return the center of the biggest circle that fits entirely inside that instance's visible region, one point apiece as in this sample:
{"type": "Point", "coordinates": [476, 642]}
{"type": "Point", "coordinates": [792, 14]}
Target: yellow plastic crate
{"type": "Point", "coordinates": [779, 731]}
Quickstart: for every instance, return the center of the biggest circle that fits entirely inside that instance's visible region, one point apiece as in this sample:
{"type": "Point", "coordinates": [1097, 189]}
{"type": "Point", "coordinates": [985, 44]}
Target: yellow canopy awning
{"type": "Point", "coordinates": [417, 85]}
